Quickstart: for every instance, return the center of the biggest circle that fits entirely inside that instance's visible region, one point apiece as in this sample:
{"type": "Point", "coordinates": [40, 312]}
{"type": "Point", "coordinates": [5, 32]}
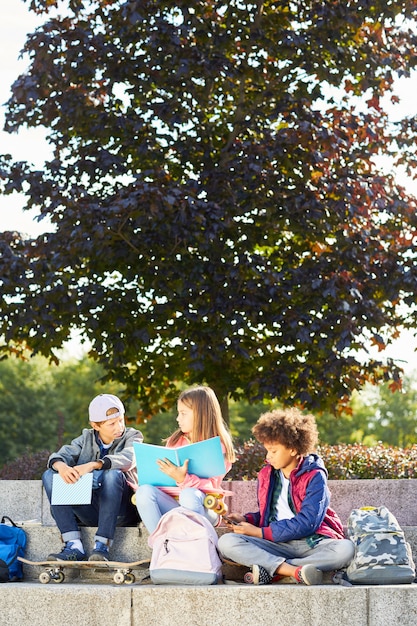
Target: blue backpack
{"type": "Point", "coordinates": [12, 545]}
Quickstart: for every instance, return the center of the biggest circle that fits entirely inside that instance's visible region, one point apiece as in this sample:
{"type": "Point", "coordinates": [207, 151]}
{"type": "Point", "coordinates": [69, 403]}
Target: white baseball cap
{"type": "Point", "coordinates": [99, 406]}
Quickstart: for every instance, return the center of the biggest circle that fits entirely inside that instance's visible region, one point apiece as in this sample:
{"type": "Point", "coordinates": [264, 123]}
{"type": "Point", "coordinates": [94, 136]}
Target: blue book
{"type": "Point", "coordinates": [205, 460]}
{"type": "Point", "coordinates": [72, 493]}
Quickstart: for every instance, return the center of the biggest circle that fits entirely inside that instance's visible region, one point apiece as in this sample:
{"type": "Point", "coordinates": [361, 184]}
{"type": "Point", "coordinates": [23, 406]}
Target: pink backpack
{"type": "Point", "coordinates": [184, 550]}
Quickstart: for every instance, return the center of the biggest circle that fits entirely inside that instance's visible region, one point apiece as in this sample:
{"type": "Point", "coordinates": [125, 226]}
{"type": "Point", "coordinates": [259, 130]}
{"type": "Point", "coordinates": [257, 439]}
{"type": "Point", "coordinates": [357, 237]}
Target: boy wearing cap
{"type": "Point", "coordinates": [106, 449]}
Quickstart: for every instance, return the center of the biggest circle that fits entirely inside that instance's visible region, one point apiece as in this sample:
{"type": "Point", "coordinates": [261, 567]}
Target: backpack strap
{"type": "Point", "coordinates": [5, 517]}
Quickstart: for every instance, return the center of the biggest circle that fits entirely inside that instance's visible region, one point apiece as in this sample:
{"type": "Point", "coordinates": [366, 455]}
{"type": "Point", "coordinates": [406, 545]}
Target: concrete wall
{"type": "Point", "coordinates": [25, 499]}
{"type": "Point", "coordinates": [400, 496]}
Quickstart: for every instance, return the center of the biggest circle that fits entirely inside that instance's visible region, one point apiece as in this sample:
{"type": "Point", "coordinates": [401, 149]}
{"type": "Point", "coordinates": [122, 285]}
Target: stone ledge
{"type": "Point", "coordinates": [398, 496]}
{"type": "Point", "coordinates": [31, 604]}
{"type": "Point", "coordinates": [25, 499]}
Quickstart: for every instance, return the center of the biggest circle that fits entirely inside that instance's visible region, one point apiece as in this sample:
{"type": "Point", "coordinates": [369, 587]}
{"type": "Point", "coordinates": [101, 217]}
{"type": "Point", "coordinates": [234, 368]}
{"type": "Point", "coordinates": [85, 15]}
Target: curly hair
{"type": "Point", "coordinates": [289, 427]}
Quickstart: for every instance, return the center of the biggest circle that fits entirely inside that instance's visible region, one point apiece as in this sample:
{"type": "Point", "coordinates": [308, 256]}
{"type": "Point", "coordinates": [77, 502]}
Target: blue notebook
{"type": "Point", "coordinates": [205, 460]}
{"type": "Point", "coordinates": [73, 493]}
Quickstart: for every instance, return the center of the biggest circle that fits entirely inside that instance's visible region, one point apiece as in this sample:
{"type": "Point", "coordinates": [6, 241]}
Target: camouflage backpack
{"type": "Point", "coordinates": [382, 555]}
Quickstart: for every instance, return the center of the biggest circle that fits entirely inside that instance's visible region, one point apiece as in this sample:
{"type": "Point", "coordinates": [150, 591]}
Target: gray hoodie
{"type": "Point", "coordinates": [84, 449]}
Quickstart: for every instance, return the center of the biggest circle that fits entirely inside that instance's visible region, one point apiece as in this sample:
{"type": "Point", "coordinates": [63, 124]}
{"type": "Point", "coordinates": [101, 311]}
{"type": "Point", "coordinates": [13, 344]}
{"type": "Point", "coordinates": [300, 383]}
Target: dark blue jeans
{"type": "Point", "coordinates": [111, 506]}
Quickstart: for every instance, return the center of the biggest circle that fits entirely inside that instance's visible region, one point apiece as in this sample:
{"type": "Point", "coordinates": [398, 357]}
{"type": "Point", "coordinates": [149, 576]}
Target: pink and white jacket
{"type": "Point", "coordinates": [207, 485]}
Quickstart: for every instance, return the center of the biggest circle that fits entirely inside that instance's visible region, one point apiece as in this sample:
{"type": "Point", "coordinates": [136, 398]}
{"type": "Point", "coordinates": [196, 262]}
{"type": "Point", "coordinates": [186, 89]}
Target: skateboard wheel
{"type": "Point", "coordinates": [133, 499]}
{"type": "Point", "coordinates": [248, 578]}
{"type": "Point", "coordinates": [210, 502]}
{"type": "Point", "coordinates": [220, 508]}
{"type": "Point", "coordinates": [59, 577]}
{"type": "Point", "coordinates": [119, 578]}
{"type": "Point", "coordinates": [44, 578]}
{"type": "Point", "coordinates": [130, 579]}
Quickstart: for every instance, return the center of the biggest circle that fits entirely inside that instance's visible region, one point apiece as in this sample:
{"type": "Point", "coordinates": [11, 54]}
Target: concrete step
{"type": "Point", "coordinates": [86, 604]}
{"type": "Point", "coordinates": [86, 601]}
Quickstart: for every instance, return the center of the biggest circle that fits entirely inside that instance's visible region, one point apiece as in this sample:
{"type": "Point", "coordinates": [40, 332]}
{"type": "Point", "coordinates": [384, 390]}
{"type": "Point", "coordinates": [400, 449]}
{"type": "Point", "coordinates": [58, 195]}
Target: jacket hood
{"type": "Point", "coordinates": [310, 462]}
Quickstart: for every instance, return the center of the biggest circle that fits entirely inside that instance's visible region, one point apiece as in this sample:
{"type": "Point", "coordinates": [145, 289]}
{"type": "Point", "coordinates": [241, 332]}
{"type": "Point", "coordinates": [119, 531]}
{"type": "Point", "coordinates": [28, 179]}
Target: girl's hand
{"type": "Point", "coordinates": [176, 472]}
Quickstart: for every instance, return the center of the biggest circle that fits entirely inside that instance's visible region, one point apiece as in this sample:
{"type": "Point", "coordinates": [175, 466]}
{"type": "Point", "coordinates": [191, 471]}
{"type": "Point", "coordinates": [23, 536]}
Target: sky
{"type": "Point", "coordinates": [16, 22]}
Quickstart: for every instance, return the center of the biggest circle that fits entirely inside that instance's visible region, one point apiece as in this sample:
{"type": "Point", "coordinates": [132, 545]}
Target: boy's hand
{"type": "Point", "coordinates": [176, 472]}
{"type": "Point", "coordinates": [86, 468]}
{"type": "Point", "coordinates": [233, 519]}
{"type": "Point", "coordinates": [71, 475]}
{"type": "Point", "coordinates": [68, 474]}
{"type": "Point", "coordinates": [244, 528]}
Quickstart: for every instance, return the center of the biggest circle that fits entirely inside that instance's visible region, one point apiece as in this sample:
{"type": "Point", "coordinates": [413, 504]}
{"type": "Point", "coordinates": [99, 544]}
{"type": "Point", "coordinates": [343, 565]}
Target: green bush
{"type": "Point", "coordinates": [250, 456]}
{"type": "Point", "coordinates": [343, 462]}
{"type": "Point", "coordinates": [28, 467]}
{"type": "Point", "coordinates": [359, 461]}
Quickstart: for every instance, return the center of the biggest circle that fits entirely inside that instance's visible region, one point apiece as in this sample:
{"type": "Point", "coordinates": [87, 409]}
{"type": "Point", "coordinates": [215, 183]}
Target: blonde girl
{"type": "Point", "coordinates": [199, 418]}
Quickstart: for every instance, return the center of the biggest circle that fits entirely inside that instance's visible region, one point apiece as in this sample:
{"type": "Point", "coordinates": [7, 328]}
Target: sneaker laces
{"type": "Point", "coordinates": [70, 553]}
{"type": "Point", "coordinates": [101, 547]}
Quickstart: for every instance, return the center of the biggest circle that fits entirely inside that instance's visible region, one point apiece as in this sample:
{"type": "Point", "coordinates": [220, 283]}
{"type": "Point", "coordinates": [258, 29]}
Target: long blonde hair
{"type": "Point", "coordinates": [208, 419]}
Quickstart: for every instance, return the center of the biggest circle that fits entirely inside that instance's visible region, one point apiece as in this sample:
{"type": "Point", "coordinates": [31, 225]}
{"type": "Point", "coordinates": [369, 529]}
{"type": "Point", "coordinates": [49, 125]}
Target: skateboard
{"type": "Point", "coordinates": [243, 573]}
{"type": "Point", "coordinates": [234, 571]}
{"type": "Point", "coordinates": [54, 570]}
{"type": "Point", "coordinates": [213, 501]}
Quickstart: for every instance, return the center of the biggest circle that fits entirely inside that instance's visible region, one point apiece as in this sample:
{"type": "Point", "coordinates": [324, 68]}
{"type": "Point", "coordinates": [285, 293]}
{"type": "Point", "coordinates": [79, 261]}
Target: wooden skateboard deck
{"type": "Point", "coordinates": [233, 571]}
{"type": "Point", "coordinates": [54, 570]}
{"type": "Point", "coordinates": [236, 572]}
